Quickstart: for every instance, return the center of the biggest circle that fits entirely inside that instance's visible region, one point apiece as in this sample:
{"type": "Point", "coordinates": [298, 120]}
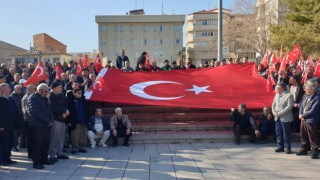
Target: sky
{"type": "Point", "coordinates": [72, 22]}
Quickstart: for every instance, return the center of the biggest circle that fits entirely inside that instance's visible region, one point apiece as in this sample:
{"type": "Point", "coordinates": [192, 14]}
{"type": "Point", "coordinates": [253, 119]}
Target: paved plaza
{"type": "Point", "coordinates": [172, 161]}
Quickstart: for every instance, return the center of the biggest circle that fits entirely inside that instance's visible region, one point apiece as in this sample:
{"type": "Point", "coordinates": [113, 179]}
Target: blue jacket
{"type": "Point", "coordinates": [105, 123]}
{"type": "Point", "coordinates": [312, 113]}
{"type": "Point", "coordinates": [39, 111]}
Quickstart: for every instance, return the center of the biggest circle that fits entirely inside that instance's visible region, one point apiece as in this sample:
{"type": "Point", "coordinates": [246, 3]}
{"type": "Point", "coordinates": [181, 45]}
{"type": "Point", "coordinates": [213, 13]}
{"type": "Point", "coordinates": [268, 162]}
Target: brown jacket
{"type": "Point", "coordinates": [125, 120]}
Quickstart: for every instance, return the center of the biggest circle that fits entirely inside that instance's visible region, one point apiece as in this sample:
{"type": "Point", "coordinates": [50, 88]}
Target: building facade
{"type": "Point", "coordinates": [46, 48]}
{"type": "Point", "coordinates": [202, 36]}
{"type": "Point", "coordinates": [6, 50]}
{"type": "Point", "coordinates": [159, 35]}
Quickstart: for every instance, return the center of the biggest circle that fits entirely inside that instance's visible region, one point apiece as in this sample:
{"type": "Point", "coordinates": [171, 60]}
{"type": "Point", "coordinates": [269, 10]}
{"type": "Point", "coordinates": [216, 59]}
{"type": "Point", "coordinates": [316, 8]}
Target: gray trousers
{"type": "Point", "coordinates": [79, 137]}
{"type": "Point", "coordinates": [57, 139]}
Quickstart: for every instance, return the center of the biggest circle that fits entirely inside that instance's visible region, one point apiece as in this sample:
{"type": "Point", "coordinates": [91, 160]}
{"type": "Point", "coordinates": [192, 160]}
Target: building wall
{"type": "Point", "coordinates": [6, 50]}
{"type": "Point", "coordinates": [161, 37]}
{"type": "Point", "coordinates": [52, 58]}
{"type": "Point", "coordinates": [45, 43]}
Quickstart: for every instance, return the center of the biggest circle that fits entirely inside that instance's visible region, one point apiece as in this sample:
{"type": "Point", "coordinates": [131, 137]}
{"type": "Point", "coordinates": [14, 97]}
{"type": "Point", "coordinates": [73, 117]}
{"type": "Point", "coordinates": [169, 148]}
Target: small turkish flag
{"type": "Point", "coordinates": [264, 61]}
{"type": "Point", "coordinates": [317, 70]}
{"type": "Point", "coordinates": [222, 87]}
{"type": "Point", "coordinates": [295, 53]}
{"type": "Point", "coordinates": [310, 62]}
{"type": "Point", "coordinates": [39, 74]}
{"type": "Point", "coordinates": [274, 59]}
{"type": "Point", "coordinates": [58, 70]}
{"type": "Point", "coordinates": [86, 61]}
{"type": "Point", "coordinates": [148, 62]}
{"type": "Point", "coordinates": [98, 63]}
{"type": "Point", "coordinates": [79, 68]}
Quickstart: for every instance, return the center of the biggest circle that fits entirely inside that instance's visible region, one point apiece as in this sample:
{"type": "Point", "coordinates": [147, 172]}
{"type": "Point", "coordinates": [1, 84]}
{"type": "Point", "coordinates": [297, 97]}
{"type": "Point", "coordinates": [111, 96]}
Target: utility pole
{"type": "Point", "coordinates": [220, 21]}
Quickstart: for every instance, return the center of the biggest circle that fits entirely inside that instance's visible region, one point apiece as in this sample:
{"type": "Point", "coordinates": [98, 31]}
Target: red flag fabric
{"type": "Point", "coordinates": [86, 61]}
{"type": "Point", "coordinates": [265, 61]}
{"type": "Point", "coordinates": [39, 74]}
{"type": "Point", "coordinates": [274, 59]}
{"type": "Point", "coordinates": [281, 53]}
{"type": "Point", "coordinates": [283, 63]}
{"type": "Point", "coordinates": [79, 68]}
{"type": "Point", "coordinates": [222, 87]}
{"type": "Point", "coordinates": [98, 63]}
{"type": "Point", "coordinates": [59, 71]}
{"type": "Point", "coordinates": [310, 62]}
{"type": "Point", "coordinates": [317, 70]}
{"type": "Point", "coordinates": [295, 53]}
{"type": "Point", "coordinates": [269, 84]}
{"type": "Point", "coordinates": [148, 62]}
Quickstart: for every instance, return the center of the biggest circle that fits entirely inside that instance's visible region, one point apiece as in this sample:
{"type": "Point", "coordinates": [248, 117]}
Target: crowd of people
{"type": "Point", "coordinates": [49, 117]}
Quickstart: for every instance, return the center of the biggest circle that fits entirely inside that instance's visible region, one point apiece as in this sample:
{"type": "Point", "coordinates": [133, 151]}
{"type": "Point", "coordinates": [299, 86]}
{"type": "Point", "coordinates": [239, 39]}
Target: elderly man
{"type": "Point", "coordinates": [127, 67]}
{"type": "Point", "coordinates": [9, 114]}
{"type": "Point", "coordinates": [17, 96]}
{"type": "Point", "coordinates": [120, 126]}
{"type": "Point", "coordinates": [309, 115]}
{"type": "Point", "coordinates": [40, 122]}
{"type": "Point", "coordinates": [282, 111]}
{"type": "Point", "coordinates": [59, 107]}
{"type": "Point", "coordinates": [243, 124]}
{"type": "Point", "coordinates": [25, 133]}
{"type": "Point", "coordinates": [16, 80]}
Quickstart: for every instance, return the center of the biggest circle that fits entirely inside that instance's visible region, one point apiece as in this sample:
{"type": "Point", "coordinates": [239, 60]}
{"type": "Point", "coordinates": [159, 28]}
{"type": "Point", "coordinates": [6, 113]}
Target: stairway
{"type": "Point", "coordinates": [157, 124]}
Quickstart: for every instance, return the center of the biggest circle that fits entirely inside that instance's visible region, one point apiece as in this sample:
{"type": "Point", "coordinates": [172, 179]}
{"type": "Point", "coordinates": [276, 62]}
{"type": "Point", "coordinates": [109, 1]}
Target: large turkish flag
{"type": "Point", "coordinates": [39, 74]}
{"type": "Point", "coordinates": [218, 88]}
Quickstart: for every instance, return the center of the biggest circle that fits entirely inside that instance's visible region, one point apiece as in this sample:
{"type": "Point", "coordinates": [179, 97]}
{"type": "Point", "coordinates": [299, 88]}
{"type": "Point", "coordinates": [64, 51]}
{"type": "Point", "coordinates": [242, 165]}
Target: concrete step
{"type": "Point", "coordinates": [182, 126]}
{"type": "Point", "coordinates": [158, 137]}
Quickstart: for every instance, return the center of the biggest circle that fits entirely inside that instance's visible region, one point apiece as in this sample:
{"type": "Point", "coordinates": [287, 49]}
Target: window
{"type": "Point", "coordinates": [145, 42]}
{"type": "Point", "coordinates": [103, 28]}
{"type": "Point", "coordinates": [121, 42]}
{"type": "Point", "coordinates": [204, 22]}
{"type": "Point", "coordinates": [155, 28]}
{"type": "Point", "coordinates": [116, 28]}
{"type": "Point", "coordinates": [161, 54]}
{"type": "Point", "coordinates": [204, 33]}
{"type": "Point", "coordinates": [155, 54]}
{"type": "Point", "coordinates": [177, 28]}
{"type": "Point", "coordinates": [131, 28]}
{"type": "Point", "coordinates": [121, 28]}
{"type": "Point", "coordinates": [145, 28]}
{"type": "Point", "coordinates": [161, 28]}
{"type": "Point", "coordinates": [103, 42]}
{"type": "Point", "coordinates": [161, 42]}
{"type": "Point", "coordinates": [116, 53]}
{"type": "Point", "coordinates": [177, 41]}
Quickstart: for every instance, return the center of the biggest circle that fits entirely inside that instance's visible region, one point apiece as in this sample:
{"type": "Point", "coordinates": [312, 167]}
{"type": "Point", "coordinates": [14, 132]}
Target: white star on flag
{"type": "Point", "coordinates": [197, 90]}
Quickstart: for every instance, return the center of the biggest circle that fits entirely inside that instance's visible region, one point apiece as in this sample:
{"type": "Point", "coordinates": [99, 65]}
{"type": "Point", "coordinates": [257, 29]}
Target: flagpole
{"type": "Point", "coordinates": [219, 51]}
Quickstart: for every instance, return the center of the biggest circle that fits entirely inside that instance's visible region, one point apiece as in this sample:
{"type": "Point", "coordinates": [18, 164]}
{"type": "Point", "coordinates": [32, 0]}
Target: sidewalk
{"type": "Point", "coordinates": [172, 161]}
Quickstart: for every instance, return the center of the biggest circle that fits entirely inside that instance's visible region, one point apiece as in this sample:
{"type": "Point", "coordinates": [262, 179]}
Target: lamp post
{"type": "Point", "coordinates": [219, 52]}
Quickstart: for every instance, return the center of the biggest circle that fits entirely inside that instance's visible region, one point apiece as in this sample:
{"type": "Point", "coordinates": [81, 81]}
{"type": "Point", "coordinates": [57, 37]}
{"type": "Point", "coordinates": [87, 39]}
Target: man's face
{"type": "Point", "coordinates": [295, 72]}
{"type": "Point", "coordinates": [75, 85]}
{"type": "Point", "coordinates": [78, 94]}
{"type": "Point", "coordinates": [240, 109]}
{"type": "Point", "coordinates": [188, 61]}
{"type": "Point", "coordinates": [17, 78]}
{"type": "Point", "coordinates": [279, 89]}
{"type": "Point", "coordinates": [245, 60]}
{"type": "Point", "coordinates": [43, 92]}
{"type": "Point", "coordinates": [72, 77]}
{"type": "Point", "coordinates": [18, 90]}
{"type": "Point", "coordinates": [6, 91]}
{"type": "Point", "coordinates": [2, 80]}
{"type": "Point", "coordinates": [166, 63]}
{"type": "Point", "coordinates": [292, 80]}
{"type": "Point", "coordinates": [98, 112]}
{"type": "Point", "coordinates": [57, 90]}
{"type": "Point", "coordinates": [85, 73]}
{"type": "Point", "coordinates": [119, 113]}
{"type": "Point", "coordinates": [122, 52]}
{"type": "Point", "coordinates": [309, 90]}
{"type": "Point", "coordinates": [265, 111]}
{"type": "Point", "coordinates": [12, 71]}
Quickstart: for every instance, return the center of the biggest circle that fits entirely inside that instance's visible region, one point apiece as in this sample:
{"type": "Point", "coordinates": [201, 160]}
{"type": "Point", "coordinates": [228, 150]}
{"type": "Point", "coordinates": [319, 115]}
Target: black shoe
{"type": "Point", "coordinates": [38, 166]}
{"type": "Point", "coordinates": [49, 162]}
{"type": "Point", "coordinates": [279, 150]}
{"type": "Point", "coordinates": [73, 152]}
{"type": "Point", "coordinates": [314, 155]}
{"type": "Point", "coordinates": [83, 151]}
{"type": "Point", "coordinates": [288, 151]}
{"type": "Point", "coordinates": [302, 153]}
{"type": "Point", "coordinates": [237, 142]}
{"type": "Point", "coordinates": [63, 157]}
{"type": "Point", "coordinates": [114, 145]}
{"type": "Point", "coordinates": [127, 145]}
{"type": "Point", "coordinates": [64, 151]}
{"type": "Point", "coordinates": [53, 160]}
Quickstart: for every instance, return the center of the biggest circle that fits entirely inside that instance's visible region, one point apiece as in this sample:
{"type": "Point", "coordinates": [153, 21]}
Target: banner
{"type": "Point", "coordinates": [222, 87]}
